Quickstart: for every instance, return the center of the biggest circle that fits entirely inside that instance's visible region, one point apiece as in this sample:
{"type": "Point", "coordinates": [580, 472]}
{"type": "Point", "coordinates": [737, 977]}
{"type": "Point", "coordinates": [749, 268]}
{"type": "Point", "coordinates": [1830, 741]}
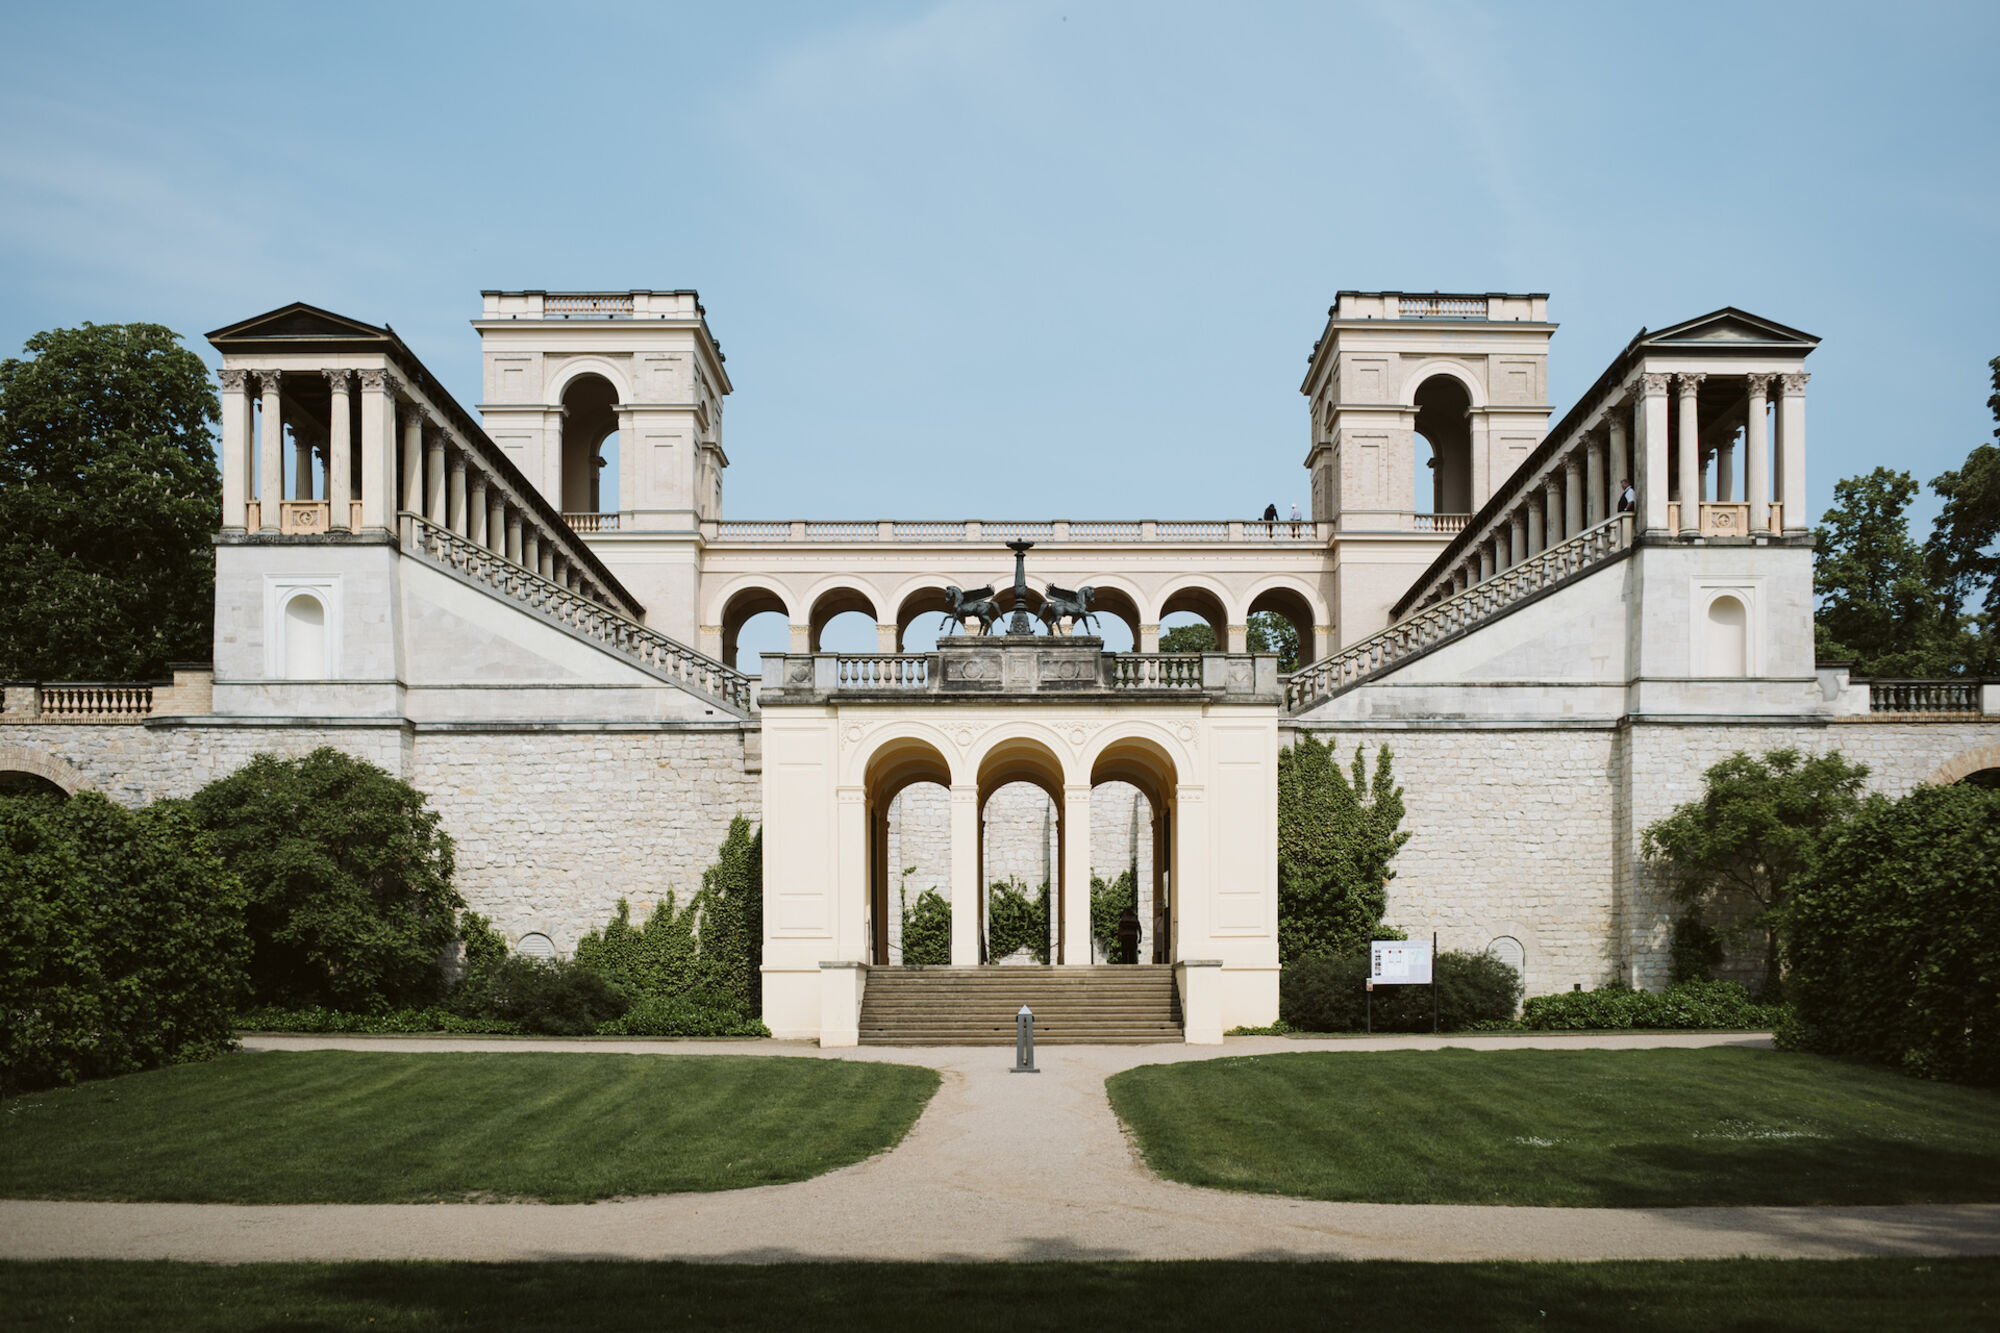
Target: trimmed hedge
{"type": "Point", "coordinates": [698, 1014]}
{"type": "Point", "coordinates": [1717, 1005]}
{"type": "Point", "coordinates": [1895, 938]}
{"type": "Point", "coordinates": [554, 997]}
{"type": "Point", "coordinates": [122, 944]}
{"type": "Point", "coordinates": [1325, 994]}
{"type": "Point", "coordinates": [316, 1020]}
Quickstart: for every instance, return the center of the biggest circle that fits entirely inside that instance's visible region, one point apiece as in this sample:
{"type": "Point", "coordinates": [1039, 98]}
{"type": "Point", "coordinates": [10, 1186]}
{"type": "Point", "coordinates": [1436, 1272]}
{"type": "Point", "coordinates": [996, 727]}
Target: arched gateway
{"type": "Point", "coordinates": [844, 734]}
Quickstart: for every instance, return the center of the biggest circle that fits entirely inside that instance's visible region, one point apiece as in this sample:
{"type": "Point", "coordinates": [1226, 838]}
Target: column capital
{"type": "Point", "coordinates": [232, 379]}
{"type": "Point", "coordinates": [1759, 385]}
{"type": "Point", "coordinates": [1690, 382]}
{"type": "Point", "coordinates": [1795, 384]}
{"type": "Point", "coordinates": [1652, 385]}
{"type": "Point", "coordinates": [337, 379]}
{"type": "Point", "coordinates": [269, 381]}
{"type": "Point", "coordinates": [457, 461]}
{"type": "Point", "coordinates": [379, 381]}
{"type": "Point", "coordinates": [1573, 465]}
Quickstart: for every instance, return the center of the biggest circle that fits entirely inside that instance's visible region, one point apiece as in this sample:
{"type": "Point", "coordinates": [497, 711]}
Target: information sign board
{"type": "Point", "coordinates": [1399, 962]}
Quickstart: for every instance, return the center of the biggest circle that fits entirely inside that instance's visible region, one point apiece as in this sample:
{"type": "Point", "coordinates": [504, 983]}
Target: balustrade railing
{"type": "Point", "coordinates": [1439, 621]}
{"type": "Point", "coordinates": [1923, 696]}
{"type": "Point", "coordinates": [93, 702]}
{"type": "Point", "coordinates": [647, 648]}
{"type": "Point", "coordinates": [1156, 671]}
{"type": "Point", "coordinates": [1441, 522]}
{"type": "Point", "coordinates": [882, 671]}
{"type": "Point", "coordinates": [760, 531]}
{"type": "Point", "coordinates": [1442, 307]}
{"type": "Point", "coordinates": [586, 305]}
{"type": "Point", "coordinates": [592, 522]}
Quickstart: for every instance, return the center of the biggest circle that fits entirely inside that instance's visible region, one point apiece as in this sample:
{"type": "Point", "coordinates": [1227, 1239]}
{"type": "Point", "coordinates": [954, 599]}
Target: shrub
{"type": "Point", "coordinates": [430, 1019]}
{"type": "Point", "coordinates": [731, 907]}
{"type": "Point", "coordinates": [695, 1014]}
{"type": "Point", "coordinates": [926, 930]}
{"type": "Point", "coordinates": [1336, 840]}
{"type": "Point", "coordinates": [347, 877]}
{"type": "Point", "coordinates": [1110, 899]}
{"type": "Point", "coordinates": [1015, 921]}
{"type": "Point", "coordinates": [1325, 994]}
{"type": "Point", "coordinates": [1718, 1005]}
{"type": "Point", "coordinates": [1895, 938]}
{"type": "Point", "coordinates": [546, 997]}
{"type": "Point", "coordinates": [659, 958]}
{"type": "Point", "coordinates": [121, 941]}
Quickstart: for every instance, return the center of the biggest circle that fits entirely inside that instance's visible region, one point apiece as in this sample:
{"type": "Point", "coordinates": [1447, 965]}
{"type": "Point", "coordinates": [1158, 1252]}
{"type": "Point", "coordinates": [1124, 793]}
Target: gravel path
{"type": "Point", "coordinates": [1000, 1167]}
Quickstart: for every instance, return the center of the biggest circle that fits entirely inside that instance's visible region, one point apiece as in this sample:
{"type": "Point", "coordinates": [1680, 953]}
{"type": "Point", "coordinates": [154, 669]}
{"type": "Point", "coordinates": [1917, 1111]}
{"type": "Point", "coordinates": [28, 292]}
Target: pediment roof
{"type": "Point", "coordinates": [1730, 325]}
{"type": "Point", "coordinates": [297, 322]}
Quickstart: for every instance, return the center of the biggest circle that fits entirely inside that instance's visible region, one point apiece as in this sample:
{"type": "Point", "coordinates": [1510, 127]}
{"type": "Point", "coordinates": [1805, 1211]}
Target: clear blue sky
{"type": "Point", "coordinates": [1023, 258]}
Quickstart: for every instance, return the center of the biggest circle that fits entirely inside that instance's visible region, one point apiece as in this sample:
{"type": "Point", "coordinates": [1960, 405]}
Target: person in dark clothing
{"type": "Point", "coordinates": [1625, 503]}
{"type": "Point", "coordinates": [1270, 517]}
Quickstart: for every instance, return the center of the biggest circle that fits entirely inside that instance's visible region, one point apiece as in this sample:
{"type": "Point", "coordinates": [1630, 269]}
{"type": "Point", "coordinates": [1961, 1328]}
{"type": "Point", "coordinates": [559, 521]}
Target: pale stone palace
{"type": "Point", "coordinates": [453, 596]}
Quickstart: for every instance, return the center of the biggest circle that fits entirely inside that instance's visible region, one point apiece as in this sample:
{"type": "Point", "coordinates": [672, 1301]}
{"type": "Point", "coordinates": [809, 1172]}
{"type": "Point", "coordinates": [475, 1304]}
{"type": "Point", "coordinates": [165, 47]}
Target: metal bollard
{"type": "Point", "coordinates": [1024, 1042]}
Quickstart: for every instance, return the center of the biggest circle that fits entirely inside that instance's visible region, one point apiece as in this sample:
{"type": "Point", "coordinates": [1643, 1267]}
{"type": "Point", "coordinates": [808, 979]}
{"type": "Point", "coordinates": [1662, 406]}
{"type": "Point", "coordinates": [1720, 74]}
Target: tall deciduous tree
{"type": "Point", "coordinates": [1964, 549]}
{"type": "Point", "coordinates": [1267, 632]}
{"type": "Point", "coordinates": [108, 497]}
{"type": "Point", "coordinates": [1734, 853]}
{"type": "Point", "coordinates": [1877, 605]}
{"type": "Point", "coordinates": [1337, 838]}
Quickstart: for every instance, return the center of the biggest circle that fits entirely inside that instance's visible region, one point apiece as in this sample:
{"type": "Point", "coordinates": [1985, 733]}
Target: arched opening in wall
{"type": "Point", "coordinates": [1512, 952]}
{"type": "Point", "coordinates": [1192, 620]}
{"type": "Point", "coordinates": [1444, 423]}
{"type": "Point", "coordinates": [1281, 622]}
{"type": "Point", "coordinates": [590, 420]}
{"type": "Point", "coordinates": [1145, 770]}
{"type": "Point", "coordinates": [1727, 638]}
{"type": "Point", "coordinates": [1003, 597]}
{"type": "Point", "coordinates": [842, 620]}
{"type": "Point", "coordinates": [534, 944]}
{"type": "Point", "coordinates": [909, 855]}
{"type": "Point", "coordinates": [1988, 778]}
{"type": "Point", "coordinates": [1117, 619]}
{"type": "Point", "coordinates": [305, 637]}
{"type": "Point", "coordinates": [13, 782]}
{"type": "Point", "coordinates": [1020, 858]}
{"type": "Point", "coordinates": [920, 619]}
{"type": "Point", "coordinates": [754, 621]}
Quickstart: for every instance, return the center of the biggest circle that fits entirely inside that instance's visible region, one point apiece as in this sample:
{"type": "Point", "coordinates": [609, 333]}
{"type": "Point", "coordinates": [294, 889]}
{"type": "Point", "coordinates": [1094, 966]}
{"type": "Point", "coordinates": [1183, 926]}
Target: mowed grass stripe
{"type": "Point", "coordinates": [370, 1127]}
{"type": "Point", "coordinates": [1631, 1129]}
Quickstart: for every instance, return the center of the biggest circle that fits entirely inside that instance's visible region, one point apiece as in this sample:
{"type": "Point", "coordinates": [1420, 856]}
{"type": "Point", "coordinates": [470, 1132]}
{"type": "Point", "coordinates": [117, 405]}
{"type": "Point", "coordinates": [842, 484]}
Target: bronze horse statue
{"type": "Point", "coordinates": [977, 604]}
{"type": "Point", "coordinates": [1073, 603]}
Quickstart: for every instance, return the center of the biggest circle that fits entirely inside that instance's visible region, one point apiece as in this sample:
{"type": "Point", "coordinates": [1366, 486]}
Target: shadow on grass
{"type": "Point", "coordinates": [1646, 1297]}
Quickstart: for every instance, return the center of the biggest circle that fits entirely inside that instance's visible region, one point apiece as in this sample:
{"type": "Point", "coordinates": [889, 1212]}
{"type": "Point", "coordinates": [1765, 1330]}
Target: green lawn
{"type": "Point", "coordinates": [1764, 1295]}
{"type": "Point", "coordinates": [368, 1127]}
{"type": "Point", "coordinates": [1584, 1129]}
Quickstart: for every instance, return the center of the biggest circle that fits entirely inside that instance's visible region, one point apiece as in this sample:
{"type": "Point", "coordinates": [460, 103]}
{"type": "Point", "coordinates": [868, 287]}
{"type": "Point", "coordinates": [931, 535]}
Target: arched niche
{"type": "Point", "coordinates": [1726, 637]}
{"type": "Point", "coordinates": [305, 637]}
{"type": "Point", "coordinates": [589, 423]}
{"type": "Point", "coordinates": [1444, 423]}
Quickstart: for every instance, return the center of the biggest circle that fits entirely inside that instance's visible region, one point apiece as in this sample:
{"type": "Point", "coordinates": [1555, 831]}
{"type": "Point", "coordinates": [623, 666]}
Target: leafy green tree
{"type": "Point", "coordinates": [1267, 632]}
{"type": "Point", "coordinates": [1895, 937]}
{"type": "Point", "coordinates": [109, 495]}
{"type": "Point", "coordinates": [1877, 605]}
{"type": "Point", "coordinates": [347, 875]}
{"type": "Point", "coordinates": [1110, 899]}
{"type": "Point", "coordinates": [1964, 549]}
{"type": "Point", "coordinates": [122, 944]}
{"type": "Point", "coordinates": [1732, 855]}
{"type": "Point", "coordinates": [1337, 838]}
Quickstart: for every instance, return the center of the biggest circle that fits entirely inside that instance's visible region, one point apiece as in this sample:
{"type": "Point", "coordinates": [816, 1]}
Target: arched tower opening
{"type": "Point", "coordinates": [1444, 423]}
{"type": "Point", "coordinates": [589, 446]}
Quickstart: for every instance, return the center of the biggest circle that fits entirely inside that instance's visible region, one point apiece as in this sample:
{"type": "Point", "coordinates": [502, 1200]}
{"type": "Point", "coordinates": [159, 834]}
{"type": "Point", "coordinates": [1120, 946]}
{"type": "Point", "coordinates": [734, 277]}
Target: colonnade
{"type": "Point", "coordinates": [411, 459]}
{"type": "Point", "coordinates": [1656, 418]}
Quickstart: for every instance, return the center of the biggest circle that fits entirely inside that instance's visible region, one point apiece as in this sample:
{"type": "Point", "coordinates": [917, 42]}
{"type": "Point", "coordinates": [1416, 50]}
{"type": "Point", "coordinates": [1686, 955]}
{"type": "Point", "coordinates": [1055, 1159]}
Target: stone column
{"type": "Point", "coordinates": [964, 875]}
{"type": "Point", "coordinates": [302, 466]}
{"type": "Point", "coordinates": [514, 534]}
{"type": "Point", "coordinates": [1619, 469]}
{"type": "Point", "coordinates": [236, 448]}
{"type": "Point", "coordinates": [1149, 638]}
{"type": "Point", "coordinates": [1486, 569]}
{"type": "Point", "coordinates": [378, 449]}
{"type": "Point", "coordinates": [1573, 509]}
{"type": "Point", "coordinates": [1725, 470]}
{"type": "Point", "coordinates": [1792, 448]}
{"type": "Point", "coordinates": [339, 449]}
{"type": "Point", "coordinates": [1552, 497]}
{"type": "Point", "coordinates": [475, 508]}
{"type": "Point", "coordinates": [434, 477]}
{"type": "Point", "coordinates": [1595, 507]}
{"type": "Point", "coordinates": [270, 451]}
{"type": "Point", "coordinates": [454, 493]}
{"type": "Point", "coordinates": [496, 521]}
{"type": "Point", "coordinates": [1076, 875]}
{"type": "Point", "coordinates": [1237, 638]}
{"type": "Point", "coordinates": [1503, 550]}
{"type": "Point", "coordinates": [1757, 453]}
{"type": "Point", "coordinates": [1538, 538]}
{"type": "Point", "coordinates": [885, 638]}
{"type": "Point", "coordinates": [1517, 539]}
{"type": "Point", "coordinates": [1650, 414]}
{"type": "Point", "coordinates": [547, 567]}
{"type": "Point", "coordinates": [413, 459]}
{"type": "Point", "coordinates": [531, 550]}
{"type": "Point", "coordinates": [1690, 440]}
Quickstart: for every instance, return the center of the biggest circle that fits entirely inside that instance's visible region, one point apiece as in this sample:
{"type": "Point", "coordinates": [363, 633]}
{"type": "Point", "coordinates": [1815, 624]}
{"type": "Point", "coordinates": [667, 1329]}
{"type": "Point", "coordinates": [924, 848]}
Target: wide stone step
{"type": "Point", "coordinates": [976, 1006]}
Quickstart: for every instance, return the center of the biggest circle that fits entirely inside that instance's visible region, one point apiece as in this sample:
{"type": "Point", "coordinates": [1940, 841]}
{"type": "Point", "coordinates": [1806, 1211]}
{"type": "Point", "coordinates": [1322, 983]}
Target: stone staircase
{"type": "Point", "coordinates": [975, 1006]}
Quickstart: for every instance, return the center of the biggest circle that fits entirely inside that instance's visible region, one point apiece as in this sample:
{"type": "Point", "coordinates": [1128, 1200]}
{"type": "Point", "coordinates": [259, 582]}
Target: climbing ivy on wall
{"type": "Point", "coordinates": [1017, 920]}
{"type": "Point", "coordinates": [926, 930]}
{"type": "Point", "coordinates": [1109, 900]}
{"type": "Point", "coordinates": [1337, 836]}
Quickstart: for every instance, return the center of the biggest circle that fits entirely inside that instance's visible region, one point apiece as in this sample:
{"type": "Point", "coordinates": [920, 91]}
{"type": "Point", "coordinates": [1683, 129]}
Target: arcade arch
{"type": "Point", "coordinates": [737, 611]}
{"type": "Point", "coordinates": [1143, 764]}
{"type": "Point", "coordinates": [1444, 421]}
{"type": "Point", "coordinates": [840, 601]}
{"type": "Point", "coordinates": [1289, 605]}
{"type": "Point", "coordinates": [904, 766]}
{"type": "Point", "coordinates": [1010, 764]}
{"type": "Point", "coordinates": [589, 425]}
{"type": "Point", "coordinates": [1203, 604]}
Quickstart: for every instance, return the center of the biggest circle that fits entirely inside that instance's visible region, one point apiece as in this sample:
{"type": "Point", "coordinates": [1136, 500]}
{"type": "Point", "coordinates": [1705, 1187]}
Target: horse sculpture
{"type": "Point", "coordinates": [977, 604]}
{"type": "Point", "coordinates": [1071, 603]}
